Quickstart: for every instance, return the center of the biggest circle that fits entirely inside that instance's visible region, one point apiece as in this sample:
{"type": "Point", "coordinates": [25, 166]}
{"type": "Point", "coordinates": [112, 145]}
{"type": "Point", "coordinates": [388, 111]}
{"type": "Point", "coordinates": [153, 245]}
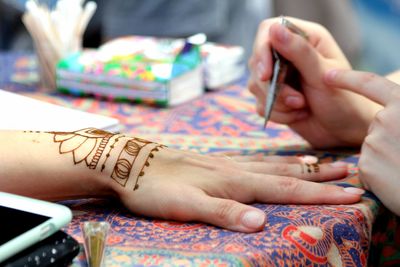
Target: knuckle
{"type": "Point", "coordinates": [367, 78]}
{"type": "Point", "coordinates": [224, 209]}
{"type": "Point", "coordinates": [375, 143]}
{"type": "Point", "coordinates": [370, 142]}
{"type": "Point", "coordinates": [281, 169]}
{"type": "Point", "coordinates": [289, 185]}
{"type": "Point", "coordinates": [228, 173]}
{"type": "Point", "coordinates": [380, 117]}
{"type": "Point", "coordinates": [385, 123]}
{"type": "Point", "coordinates": [305, 50]}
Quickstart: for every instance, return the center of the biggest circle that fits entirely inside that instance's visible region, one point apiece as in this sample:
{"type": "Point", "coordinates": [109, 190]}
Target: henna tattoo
{"type": "Point", "coordinates": [103, 166]}
{"type": "Point", "coordinates": [146, 164]}
{"type": "Point", "coordinates": [129, 157]}
{"type": "Point", "coordinates": [308, 167]}
{"type": "Point", "coordinates": [32, 132]}
{"type": "Point", "coordinates": [99, 151]}
{"type": "Point", "coordinates": [85, 145]}
{"type": "Point", "coordinates": [314, 167]}
{"type": "Point", "coordinates": [125, 161]}
{"type": "Point", "coordinates": [33, 140]}
{"type": "Point", "coordinates": [88, 145]}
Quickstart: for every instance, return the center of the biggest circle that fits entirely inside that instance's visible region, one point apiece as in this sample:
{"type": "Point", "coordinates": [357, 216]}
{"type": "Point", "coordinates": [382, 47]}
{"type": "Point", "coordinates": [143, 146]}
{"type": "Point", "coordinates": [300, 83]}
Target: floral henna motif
{"type": "Point", "coordinates": [85, 145]}
{"type": "Point", "coordinates": [88, 145]}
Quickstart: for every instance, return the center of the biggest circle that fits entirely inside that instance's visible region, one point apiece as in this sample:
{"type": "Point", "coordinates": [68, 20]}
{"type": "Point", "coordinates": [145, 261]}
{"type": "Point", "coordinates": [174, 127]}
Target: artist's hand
{"type": "Point", "coordinates": [379, 163]}
{"type": "Point", "coordinates": [324, 116]}
{"type": "Point", "coordinates": [187, 186]}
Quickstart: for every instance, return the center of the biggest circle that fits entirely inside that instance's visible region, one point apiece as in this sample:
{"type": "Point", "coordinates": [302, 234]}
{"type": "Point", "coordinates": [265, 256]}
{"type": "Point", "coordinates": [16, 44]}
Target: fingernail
{"type": "Point", "coordinates": [309, 159]}
{"type": "Point", "coordinates": [354, 190]}
{"type": "Point", "coordinates": [338, 164]}
{"type": "Point", "coordinates": [253, 219]}
{"type": "Point", "coordinates": [260, 70]}
{"type": "Point", "coordinates": [331, 75]}
{"type": "Point", "coordinates": [283, 34]}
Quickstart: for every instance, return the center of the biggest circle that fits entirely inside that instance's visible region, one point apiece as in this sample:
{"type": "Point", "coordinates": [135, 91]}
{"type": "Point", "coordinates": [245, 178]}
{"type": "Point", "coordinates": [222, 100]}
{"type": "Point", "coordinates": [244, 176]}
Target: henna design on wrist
{"type": "Point", "coordinates": [88, 145]}
{"type": "Point", "coordinates": [146, 164]}
{"type": "Point", "coordinates": [34, 140]}
{"type": "Point", "coordinates": [32, 131]}
{"type": "Point", "coordinates": [129, 157]}
{"type": "Point", "coordinates": [109, 151]}
{"type": "Point", "coordinates": [85, 145]}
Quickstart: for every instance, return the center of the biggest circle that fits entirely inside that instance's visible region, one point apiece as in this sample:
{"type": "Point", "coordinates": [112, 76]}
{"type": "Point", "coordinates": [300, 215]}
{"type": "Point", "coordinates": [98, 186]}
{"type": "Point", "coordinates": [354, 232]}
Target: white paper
{"type": "Point", "coordinates": [19, 112]}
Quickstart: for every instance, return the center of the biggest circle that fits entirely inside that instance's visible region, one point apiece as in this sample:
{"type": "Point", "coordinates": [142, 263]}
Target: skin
{"type": "Point", "coordinates": [334, 107]}
{"type": "Point", "coordinates": [394, 76]}
{"type": "Point", "coordinates": [325, 116]}
{"type": "Point", "coordinates": [163, 182]}
{"type": "Point", "coordinates": [379, 161]}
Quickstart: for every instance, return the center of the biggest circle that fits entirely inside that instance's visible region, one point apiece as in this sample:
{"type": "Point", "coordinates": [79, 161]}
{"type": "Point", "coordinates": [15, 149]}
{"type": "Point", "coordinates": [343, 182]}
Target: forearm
{"type": "Point", "coordinates": [55, 166]}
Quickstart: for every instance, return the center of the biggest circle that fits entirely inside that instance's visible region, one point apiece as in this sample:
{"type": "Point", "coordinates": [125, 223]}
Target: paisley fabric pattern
{"type": "Point", "coordinates": [294, 235]}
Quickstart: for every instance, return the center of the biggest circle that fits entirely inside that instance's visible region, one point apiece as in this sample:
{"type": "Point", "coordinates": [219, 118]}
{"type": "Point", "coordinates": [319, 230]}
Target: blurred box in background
{"type": "Point", "coordinates": [160, 71]}
{"type": "Point", "coordinates": [165, 72]}
{"type": "Point", "coordinates": [222, 64]}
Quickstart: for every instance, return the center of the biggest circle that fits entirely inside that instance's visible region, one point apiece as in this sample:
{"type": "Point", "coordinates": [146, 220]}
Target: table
{"type": "Point", "coordinates": [294, 235]}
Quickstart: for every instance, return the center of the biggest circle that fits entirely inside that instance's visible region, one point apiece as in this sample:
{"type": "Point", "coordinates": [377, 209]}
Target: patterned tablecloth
{"type": "Point", "coordinates": [294, 235]}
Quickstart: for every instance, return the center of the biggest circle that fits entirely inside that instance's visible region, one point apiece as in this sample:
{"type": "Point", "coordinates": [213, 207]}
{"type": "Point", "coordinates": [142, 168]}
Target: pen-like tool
{"type": "Point", "coordinates": [283, 72]}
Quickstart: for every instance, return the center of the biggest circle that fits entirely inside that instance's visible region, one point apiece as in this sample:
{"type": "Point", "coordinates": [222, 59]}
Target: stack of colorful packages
{"type": "Point", "coordinates": [160, 71]}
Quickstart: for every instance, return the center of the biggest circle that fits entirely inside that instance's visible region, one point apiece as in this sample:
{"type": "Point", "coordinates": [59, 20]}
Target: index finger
{"type": "Point", "coordinates": [370, 85]}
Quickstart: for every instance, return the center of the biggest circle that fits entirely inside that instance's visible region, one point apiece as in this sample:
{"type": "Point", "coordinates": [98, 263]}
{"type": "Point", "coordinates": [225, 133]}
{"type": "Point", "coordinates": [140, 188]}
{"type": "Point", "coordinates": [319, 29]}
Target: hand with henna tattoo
{"type": "Point", "coordinates": [153, 180]}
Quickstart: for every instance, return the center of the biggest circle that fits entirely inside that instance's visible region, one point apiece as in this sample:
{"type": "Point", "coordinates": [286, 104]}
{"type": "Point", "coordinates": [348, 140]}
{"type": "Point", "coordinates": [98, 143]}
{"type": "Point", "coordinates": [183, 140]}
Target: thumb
{"type": "Point", "coordinates": [228, 214]}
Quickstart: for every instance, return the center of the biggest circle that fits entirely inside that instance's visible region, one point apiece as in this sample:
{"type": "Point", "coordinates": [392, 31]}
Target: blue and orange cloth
{"type": "Point", "coordinates": [302, 235]}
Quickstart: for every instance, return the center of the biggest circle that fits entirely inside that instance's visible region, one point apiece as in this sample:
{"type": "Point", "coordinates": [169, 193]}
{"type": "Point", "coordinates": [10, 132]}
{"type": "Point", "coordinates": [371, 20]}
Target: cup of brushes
{"type": "Point", "coordinates": [56, 33]}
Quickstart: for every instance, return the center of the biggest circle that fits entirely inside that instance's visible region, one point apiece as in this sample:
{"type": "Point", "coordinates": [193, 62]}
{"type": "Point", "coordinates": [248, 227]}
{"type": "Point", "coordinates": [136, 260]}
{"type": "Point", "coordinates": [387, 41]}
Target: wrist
{"type": "Point", "coordinates": [101, 186]}
{"type": "Point", "coordinates": [127, 159]}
